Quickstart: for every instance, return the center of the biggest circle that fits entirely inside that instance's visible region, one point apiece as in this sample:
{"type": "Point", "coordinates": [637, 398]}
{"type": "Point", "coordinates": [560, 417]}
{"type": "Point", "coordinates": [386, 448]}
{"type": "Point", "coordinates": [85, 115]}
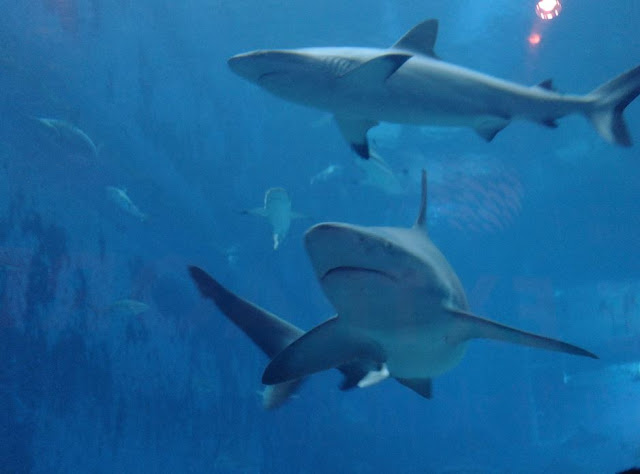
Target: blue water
{"type": "Point", "coordinates": [86, 386]}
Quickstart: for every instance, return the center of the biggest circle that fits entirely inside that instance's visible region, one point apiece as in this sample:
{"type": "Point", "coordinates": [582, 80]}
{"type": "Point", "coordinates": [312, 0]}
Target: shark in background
{"type": "Point", "coordinates": [409, 84]}
{"type": "Point", "coordinates": [69, 136]}
{"type": "Point", "coordinates": [399, 304]}
{"type": "Point", "coordinates": [277, 210]}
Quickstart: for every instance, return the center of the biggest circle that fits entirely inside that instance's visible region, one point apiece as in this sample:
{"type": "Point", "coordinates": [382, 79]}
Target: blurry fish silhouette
{"type": "Point", "coordinates": [330, 171]}
{"type": "Point", "coordinates": [127, 306]}
{"type": "Point", "coordinates": [122, 200]}
{"type": "Point", "coordinates": [69, 137]}
{"type": "Point", "coordinates": [270, 333]}
{"type": "Point", "coordinates": [277, 210]}
{"type": "Point", "coordinates": [122, 308]}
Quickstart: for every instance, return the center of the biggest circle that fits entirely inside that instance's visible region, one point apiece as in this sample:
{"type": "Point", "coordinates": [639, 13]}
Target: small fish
{"type": "Point", "coordinates": [329, 172]}
{"type": "Point", "coordinates": [120, 197]}
{"type": "Point", "coordinates": [69, 136]}
{"type": "Point", "coordinates": [127, 306]}
{"type": "Point", "coordinates": [277, 210]}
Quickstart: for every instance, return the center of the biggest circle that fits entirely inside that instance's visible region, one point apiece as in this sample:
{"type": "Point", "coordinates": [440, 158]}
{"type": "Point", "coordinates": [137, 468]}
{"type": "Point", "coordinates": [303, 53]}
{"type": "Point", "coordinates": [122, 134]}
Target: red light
{"type": "Point", "coordinates": [534, 39]}
{"type": "Point", "coordinates": [548, 9]}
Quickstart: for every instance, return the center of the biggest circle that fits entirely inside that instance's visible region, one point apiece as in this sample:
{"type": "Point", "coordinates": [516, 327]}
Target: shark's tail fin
{"type": "Point", "coordinates": [610, 100]}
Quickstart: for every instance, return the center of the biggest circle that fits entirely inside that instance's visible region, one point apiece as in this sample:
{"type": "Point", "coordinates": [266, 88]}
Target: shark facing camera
{"type": "Point", "coordinates": [402, 312]}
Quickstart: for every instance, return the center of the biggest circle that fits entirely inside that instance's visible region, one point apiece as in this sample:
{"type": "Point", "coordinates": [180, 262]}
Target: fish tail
{"type": "Point", "coordinates": [609, 101]}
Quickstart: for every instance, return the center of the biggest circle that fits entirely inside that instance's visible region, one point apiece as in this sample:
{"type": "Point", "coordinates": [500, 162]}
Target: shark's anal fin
{"type": "Point", "coordinates": [355, 371]}
{"type": "Point", "coordinates": [325, 346]}
{"type": "Point", "coordinates": [266, 330]}
{"type": "Point", "coordinates": [354, 130]}
{"type": "Point", "coordinates": [472, 327]}
{"type": "Point", "coordinates": [423, 387]}
{"type": "Point", "coordinates": [420, 39]}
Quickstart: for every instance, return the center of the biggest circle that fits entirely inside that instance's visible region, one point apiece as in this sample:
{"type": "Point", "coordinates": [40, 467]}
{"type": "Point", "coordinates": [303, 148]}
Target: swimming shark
{"type": "Point", "coordinates": [70, 136]}
{"type": "Point", "coordinates": [270, 333]}
{"type": "Point", "coordinates": [399, 304]}
{"type": "Point", "coordinates": [409, 84]}
{"type": "Point", "coordinates": [277, 210]}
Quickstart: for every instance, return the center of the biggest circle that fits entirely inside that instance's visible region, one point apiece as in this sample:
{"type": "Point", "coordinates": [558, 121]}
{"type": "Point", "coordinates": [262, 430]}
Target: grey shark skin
{"type": "Point", "coordinates": [399, 304]}
{"type": "Point", "coordinates": [270, 333]}
{"type": "Point", "coordinates": [407, 83]}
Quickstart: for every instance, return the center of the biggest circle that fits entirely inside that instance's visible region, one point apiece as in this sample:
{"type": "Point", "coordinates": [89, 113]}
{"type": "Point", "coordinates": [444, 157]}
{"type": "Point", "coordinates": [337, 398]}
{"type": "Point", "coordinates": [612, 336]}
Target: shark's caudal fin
{"type": "Point", "coordinates": [326, 346]}
{"type": "Point", "coordinates": [472, 327]}
{"type": "Point", "coordinates": [610, 100]}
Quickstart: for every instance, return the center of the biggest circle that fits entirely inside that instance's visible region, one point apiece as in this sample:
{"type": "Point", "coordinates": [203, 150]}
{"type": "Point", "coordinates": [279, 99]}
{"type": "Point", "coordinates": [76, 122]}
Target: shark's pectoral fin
{"type": "Point", "coordinates": [266, 330]}
{"type": "Point", "coordinates": [472, 327]}
{"type": "Point", "coordinates": [420, 39]}
{"type": "Point", "coordinates": [354, 130]}
{"type": "Point", "coordinates": [258, 211]}
{"type": "Point", "coordinates": [375, 71]}
{"type": "Point", "coordinates": [489, 127]}
{"type": "Point", "coordinates": [325, 346]}
{"type": "Point", "coordinates": [423, 387]}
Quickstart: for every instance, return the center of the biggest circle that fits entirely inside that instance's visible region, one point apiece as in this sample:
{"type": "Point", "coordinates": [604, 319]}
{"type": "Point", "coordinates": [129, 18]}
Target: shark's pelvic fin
{"type": "Point", "coordinates": [472, 327]}
{"type": "Point", "coordinates": [420, 39]}
{"type": "Point", "coordinates": [489, 127]}
{"type": "Point", "coordinates": [354, 130]}
{"type": "Point", "coordinates": [326, 346]}
{"type": "Point", "coordinates": [610, 100]}
{"type": "Point", "coordinates": [423, 387]}
{"type": "Point", "coordinates": [421, 221]}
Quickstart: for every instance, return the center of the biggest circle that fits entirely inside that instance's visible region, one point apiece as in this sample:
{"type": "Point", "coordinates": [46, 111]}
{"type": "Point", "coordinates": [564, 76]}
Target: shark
{"type": "Point", "coordinates": [277, 210]}
{"type": "Point", "coordinates": [70, 136]}
{"type": "Point", "coordinates": [408, 83]}
{"type": "Point", "coordinates": [271, 334]}
{"type": "Point", "coordinates": [399, 304]}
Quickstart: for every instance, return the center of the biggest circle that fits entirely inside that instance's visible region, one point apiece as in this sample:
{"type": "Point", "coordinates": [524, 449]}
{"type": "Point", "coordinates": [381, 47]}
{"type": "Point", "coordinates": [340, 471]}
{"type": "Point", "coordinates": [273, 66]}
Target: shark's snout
{"type": "Point", "coordinates": [337, 247]}
{"type": "Point", "coordinates": [245, 65]}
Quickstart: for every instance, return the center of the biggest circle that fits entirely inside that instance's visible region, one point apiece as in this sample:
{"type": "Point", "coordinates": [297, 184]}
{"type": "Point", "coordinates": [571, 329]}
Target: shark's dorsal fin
{"type": "Point", "coordinates": [421, 221]}
{"type": "Point", "coordinates": [420, 39]}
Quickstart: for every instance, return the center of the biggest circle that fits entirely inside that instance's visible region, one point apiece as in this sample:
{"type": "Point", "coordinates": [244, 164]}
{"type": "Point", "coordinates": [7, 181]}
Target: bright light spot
{"type": "Point", "coordinates": [534, 39]}
{"type": "Point", "coordinates": [548, 9]}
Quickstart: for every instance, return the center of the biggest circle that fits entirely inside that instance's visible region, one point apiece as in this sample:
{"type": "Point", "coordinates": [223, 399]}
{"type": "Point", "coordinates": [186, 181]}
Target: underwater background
{"type": "Point", "coordinates": [110, 361]}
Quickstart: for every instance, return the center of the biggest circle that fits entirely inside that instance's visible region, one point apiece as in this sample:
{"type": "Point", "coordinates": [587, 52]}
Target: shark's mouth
{"type": "Point", "coordinates": [357, 270]}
